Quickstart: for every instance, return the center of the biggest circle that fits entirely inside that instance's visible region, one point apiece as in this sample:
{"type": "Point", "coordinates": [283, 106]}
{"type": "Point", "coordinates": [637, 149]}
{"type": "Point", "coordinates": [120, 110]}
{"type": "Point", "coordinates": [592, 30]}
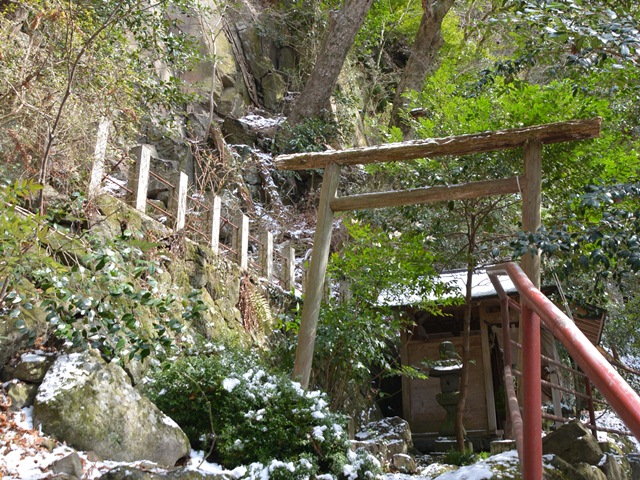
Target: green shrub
{"type": "Point", "coordinates": [358, 335]}
{"type": "Point", "coordinates": [456, 457]}
{"type": "Point", "coordinates": [311, 135]}
{"type": "Point", "coordinates": [227, 400]}
{"type": "Point", "coordinates": [109, 299]}
{"type": "Point", "coordinates": [21, 251]}
{"type": "Point", "coordinates": [94, 291]}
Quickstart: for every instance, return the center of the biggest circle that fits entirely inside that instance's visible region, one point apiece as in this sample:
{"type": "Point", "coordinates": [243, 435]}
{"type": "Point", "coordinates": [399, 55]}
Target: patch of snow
{"type": "Point", "coordinates": [168, 421]}
{"type": "Point", "coordinates": [24, 454]}
{"type": "Point", "coordinates": [113, 185]}
{"type": "Point", "coordinates": [230, 383]}
{"type": "Point", "coordinates": [318, 432]}
{"type": "Point", "coordinates": [259, 122]}
{"type": "Point", "coordinates": [363, 434]}
{"type": "Point", "coordinates": [32, 357]}
{"type": "Point", "coordinates": [457, 282]}
{"type": "Point", "coordinates": [485, 469]}
{"type": "Point", "coordinates": [197, 463]}
{"type": "Point", "coordinates": [477, 471]}
{"type": "Point", "coordinates": [446, 368]}
{"type": "Point", "coordinates": [64, 374]}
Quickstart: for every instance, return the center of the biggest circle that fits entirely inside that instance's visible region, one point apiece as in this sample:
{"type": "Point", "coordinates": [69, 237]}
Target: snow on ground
{"type": "Point", "coordinates": [26, 454]}
{"type": "Point", "coordinates": [259, 122]}
{"type": "Point", "coordinates": [485, 469]}
{"type": "Point", "coordinates": [609, 419]}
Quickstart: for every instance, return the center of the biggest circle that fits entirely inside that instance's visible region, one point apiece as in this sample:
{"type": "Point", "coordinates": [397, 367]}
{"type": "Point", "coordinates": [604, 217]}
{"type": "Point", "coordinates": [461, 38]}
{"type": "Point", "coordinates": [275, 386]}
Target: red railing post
{"type": "Point", "coordinates": [592, 413]}
{"type": "Point", "coordinates": [510, 392]}
{"type": "Point", "coordinates": [622, 398]}
{"type": "Point", "coordinates": [532, 414]}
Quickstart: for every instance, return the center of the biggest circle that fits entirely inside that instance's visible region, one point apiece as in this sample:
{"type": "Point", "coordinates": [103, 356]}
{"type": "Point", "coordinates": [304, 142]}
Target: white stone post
{"type": "Point", "coordinates": [140, 177]}
{"type": "Point", "coordinates": [214, 222]}
{"type": "Point", "coordinates": [97, 170]}
{"type": "Point", "coordinates": [181, 214]}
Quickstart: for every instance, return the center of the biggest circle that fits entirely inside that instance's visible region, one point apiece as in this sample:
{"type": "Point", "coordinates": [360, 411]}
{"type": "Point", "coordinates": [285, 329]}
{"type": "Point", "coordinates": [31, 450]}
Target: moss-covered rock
{"type": "Point", "coordinates": [132, 473]}
{"type": "Point", "coordinates": [574, 443]}
{"type": "Point", "coordinates": [92, 406]}
{"type": "Point", "coordinates": [194, 268]}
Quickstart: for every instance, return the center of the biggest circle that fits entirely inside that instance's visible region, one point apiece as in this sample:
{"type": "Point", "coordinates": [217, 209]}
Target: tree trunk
{"type": "Point", "coordinates": [422, 60]}
{"type": "Point", "coordinates": [466, 340]}
{"type": "Point", "coordinates": [343, 27]}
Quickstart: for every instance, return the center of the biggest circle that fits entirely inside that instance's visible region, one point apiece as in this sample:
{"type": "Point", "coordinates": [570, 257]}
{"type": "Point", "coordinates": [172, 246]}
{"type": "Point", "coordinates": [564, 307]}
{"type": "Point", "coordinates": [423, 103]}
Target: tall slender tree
{"type": "Point", "coordinates": [422, 59]}
{"type": "Point", "coordinates": [344, 25]}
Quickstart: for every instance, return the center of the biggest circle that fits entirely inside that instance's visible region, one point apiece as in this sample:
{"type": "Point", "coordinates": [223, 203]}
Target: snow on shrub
{"type": "Point", "coordinates": [226, 400]}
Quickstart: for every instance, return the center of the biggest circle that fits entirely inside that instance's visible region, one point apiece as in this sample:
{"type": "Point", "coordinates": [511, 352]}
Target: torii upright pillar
{"type": "Point", "coordinates": [316, 277]}
{"type": "Point", "coordinates": [530, 394]}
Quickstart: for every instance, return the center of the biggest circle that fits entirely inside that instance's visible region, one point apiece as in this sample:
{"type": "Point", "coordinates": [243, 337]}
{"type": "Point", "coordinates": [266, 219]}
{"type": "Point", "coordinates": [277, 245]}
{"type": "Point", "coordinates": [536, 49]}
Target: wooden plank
{"type": "Point", "coordinates": [492, 423]}
{"type": "Point", "coordinates": [415, 196]}
{"type": "Point", "coordinates": [436, 147]}
{"type": "Point", "coordinates": [214, 223]}
{"type": "Point", "coordinates": [181, 214]}
{"type": "Point", "coordinates": [316, 276]}
{"type": "Point", "coordinates": [531, 204]}
{"type": "Point", "coordinates": [531, 221]}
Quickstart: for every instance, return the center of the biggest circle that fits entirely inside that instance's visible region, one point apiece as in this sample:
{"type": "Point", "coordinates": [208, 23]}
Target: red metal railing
{"type": "Point", "coordinates": [536, 307]}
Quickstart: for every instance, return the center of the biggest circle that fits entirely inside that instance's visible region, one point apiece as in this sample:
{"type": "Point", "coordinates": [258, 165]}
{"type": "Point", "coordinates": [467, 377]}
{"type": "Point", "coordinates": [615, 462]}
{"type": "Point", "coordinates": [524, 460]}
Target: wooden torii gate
{"type": "Point", "coordinates": [529, 184]}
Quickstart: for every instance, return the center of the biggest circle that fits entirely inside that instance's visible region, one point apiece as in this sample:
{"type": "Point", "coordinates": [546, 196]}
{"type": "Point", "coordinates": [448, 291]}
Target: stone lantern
{"type": "Point", "coordinates": [448, 369]}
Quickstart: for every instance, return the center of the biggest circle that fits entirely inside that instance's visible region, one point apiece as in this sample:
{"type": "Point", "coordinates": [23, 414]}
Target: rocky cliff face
{"type": "Point", "coordinates": [248, 68]}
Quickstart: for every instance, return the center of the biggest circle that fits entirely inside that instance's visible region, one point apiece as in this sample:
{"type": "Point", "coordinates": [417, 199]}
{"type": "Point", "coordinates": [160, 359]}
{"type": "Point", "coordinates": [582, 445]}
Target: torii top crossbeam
{"type": "Point", "coordinates": [531, 138]}
{"type": "Point", "coordinates": [438, 147]}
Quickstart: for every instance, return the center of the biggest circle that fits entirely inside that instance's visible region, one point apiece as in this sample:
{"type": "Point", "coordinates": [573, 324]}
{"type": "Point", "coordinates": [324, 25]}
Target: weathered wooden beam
{"type": "Point", "coordinates": [242, 241]}
{"type": "Point", "coordinates": [416, 196]}
{"type": "Point", "coordinates": [492, 424]}
{"type": "Point", "coordinates": [531, 205]}
{"type": "Point", "coordinates": [316, 276]}
{"type": "Point", "coordinates": [289, 270]}
{"type": "Point", "coordinates": [436, 147]}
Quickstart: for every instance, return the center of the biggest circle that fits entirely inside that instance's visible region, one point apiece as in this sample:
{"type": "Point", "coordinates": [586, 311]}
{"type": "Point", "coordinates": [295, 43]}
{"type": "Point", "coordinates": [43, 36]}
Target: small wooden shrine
{"type": "Point", "coordinates": [485, 414]}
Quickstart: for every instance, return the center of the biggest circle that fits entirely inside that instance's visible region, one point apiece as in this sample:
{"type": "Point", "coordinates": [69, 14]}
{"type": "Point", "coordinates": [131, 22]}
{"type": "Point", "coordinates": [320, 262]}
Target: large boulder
{"type": "Point", "coordinates": [557, 468]}
{"type": "Point", "coordinates": [92, 406]}
{"type": "Point", "coordinates": [614, 468]}
{"type": "Point", "coordinates": [385, 438]}
{"type": "Point", "coordinates": [573, 443]}
{"type": "Point", "coordinates": [183, 473]}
